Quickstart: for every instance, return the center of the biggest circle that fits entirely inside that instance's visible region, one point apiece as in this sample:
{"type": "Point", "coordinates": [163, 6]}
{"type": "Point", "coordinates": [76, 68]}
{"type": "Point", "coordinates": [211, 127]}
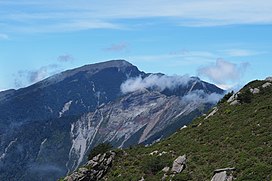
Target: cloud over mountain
{"type": "Point", "coordinates": [160, 82]}
{"type": "Point", "coordinates": [223, 71]}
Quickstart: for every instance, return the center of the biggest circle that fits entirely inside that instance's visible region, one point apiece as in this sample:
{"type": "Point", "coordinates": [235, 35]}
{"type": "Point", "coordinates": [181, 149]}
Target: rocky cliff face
{"type": "Point", "coordinates": [47, 129]}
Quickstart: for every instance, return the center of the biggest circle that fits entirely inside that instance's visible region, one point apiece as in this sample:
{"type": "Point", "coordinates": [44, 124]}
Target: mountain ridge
{"type": "Point", "coordinates": [55, 125]}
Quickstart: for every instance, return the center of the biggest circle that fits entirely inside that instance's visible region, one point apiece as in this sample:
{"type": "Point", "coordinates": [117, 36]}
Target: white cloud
{"type": "Point", "coordinates": [223, 72]}
{"type": "Point", "coordinates": [199, 96]}
{"type": "Point", "coordinates": [60, 15]}
{"type": "Point", "coordinates": [153, 81]}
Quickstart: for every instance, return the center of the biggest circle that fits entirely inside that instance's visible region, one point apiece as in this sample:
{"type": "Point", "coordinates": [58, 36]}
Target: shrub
{"type": "Point", "coordinates": [99, 149]}
{"type": "Point", "coordinates": [245, 97]}
{"type": "Point", "coordinates": [154, 164]}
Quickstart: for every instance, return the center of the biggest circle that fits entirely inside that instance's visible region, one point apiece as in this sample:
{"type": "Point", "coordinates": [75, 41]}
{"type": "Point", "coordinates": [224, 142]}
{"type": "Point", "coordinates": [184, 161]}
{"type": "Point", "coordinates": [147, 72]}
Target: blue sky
{"type": "Point", "coordinates": [227, 42]}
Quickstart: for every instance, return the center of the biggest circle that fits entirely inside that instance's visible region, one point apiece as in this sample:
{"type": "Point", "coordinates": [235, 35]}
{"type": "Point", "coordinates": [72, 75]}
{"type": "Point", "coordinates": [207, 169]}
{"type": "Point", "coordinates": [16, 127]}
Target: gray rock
{"type": "Point", "coordinates": [233, 97]}
{"type": "Point", "coordinates": [255, 90]}
{"type": "Point", "coordinates": [179, 164]}
{"type": "Point", "coordinates": [235, 102]}
{"type": "Point", "coordinates": [142, 179]}
{"type": "Point", "coordinates": [100, 174]}
{"type": "Point", "coordinates": [224, 174]}
{"type": "Point", "coordinates": [221, 176]}
{"type": "Point", "coordinates": [102, 158]}
{"type": "Point", "coordinates": [109, 160]}
{"type": "Point", "coordinates": [97, 170]}
{"type": "Point", "coordinates": [215, 109]}
{"type": "Point", "coordinates": [166, 169]}
{"type": "Point", "coordinates": [267, 84]}
{"type": "Point", "coordinates": [96, 158]}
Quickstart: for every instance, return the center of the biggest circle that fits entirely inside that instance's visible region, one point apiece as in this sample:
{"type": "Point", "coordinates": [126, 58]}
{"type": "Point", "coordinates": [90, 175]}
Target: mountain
{"type": "Point", "coordinates": [232, 142]}
{"type": "Point", "coordinates": [48, 128]}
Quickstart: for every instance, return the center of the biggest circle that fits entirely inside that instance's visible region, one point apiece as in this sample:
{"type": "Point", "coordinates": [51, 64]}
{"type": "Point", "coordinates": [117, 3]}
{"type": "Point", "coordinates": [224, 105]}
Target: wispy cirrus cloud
{"type": "Point", "coordinates": [241, 52]}
{"type": "Point", "coordinates": [58, 16]}
{"type": "Point", "coordinates": [118, 47]}
{"type": "Point", "coordinates": [65, 58]}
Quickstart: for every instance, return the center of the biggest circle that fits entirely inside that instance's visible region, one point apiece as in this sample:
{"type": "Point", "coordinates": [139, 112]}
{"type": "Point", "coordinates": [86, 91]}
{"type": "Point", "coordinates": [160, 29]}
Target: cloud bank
{"type": "Point", "coordinates": [159, 82]}
{"type": "Point", "coordinates": [199, 96]}
{"type": "Point", "coordinates": [223, 71]}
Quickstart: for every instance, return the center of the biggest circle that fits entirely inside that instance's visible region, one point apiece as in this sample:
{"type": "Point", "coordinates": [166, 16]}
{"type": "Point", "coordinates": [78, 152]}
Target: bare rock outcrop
{"type": "Point", "coordinates": [267, 84]}
{"type": "Point", "coordinates": [179, 164]}
{"type": "Point", "coordinates": [215, 109]}
{"type": "Point", "coordinates": [224, 174]}
{"type": "Point", "coordinates": [94, 169]}
{"type": "Point", "coordinates": [255, 90]}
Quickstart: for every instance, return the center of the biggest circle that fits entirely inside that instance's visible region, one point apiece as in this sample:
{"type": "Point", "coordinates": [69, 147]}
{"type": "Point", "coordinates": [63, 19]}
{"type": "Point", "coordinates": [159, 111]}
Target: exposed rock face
{"type": "Point", "coordinates": [94, 170]}
{"type": "Point", "coordinates": [134, 119]}
{"type": "Point", "coordinates": [255, 90]}
{"type": "Point", "coordinates": [215, 109]}
{"type": "Point", "coordinates": [267, 84]}
{"type": "Point", "coordinates": [179, 164]}
{"type": "Point", "coordinates": [235, 102]}
{"type": "Point", "coordinates": [166, 169]}
{"type": "Point", "coordinates": [224, 174]}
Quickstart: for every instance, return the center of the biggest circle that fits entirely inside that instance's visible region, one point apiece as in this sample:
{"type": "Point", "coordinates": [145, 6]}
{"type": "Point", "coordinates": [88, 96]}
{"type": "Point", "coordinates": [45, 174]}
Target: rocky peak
{"type": "Point", "coordinates": [269, 79]}
{"type": "Point", "coordinates": [91, 69]}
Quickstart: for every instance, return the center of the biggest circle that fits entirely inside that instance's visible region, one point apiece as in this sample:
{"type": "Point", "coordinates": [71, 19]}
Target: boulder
{"type": "Point", "coordinates": [255, 90]}
{"type": "Point", "coordinates": [267, 84]}
{"type": "Point", "coordinates": [221, 176]}
{"type": "Point", "coordinates": [235, 102]}
{"type": "Point", "coordinates": [166, 169]}
{"type": "Point", "coordinates": [224, 174]}
{"type": "Point", "coordinates": [179, 164]}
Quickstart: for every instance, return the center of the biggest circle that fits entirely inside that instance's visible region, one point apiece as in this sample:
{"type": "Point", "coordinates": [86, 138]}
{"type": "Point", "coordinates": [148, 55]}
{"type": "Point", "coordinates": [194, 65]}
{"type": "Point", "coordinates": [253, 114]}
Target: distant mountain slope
{"type": "Point", "coordinates": [238, 133]}
{"type": "Point", "coordinates": [48, 128]}
{"type": "Point", "coordinates": [72, 92]}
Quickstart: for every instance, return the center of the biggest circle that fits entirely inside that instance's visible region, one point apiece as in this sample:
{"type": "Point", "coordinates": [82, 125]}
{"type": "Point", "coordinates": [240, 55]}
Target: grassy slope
{"type": "Point", "coordinates": [236, 136]}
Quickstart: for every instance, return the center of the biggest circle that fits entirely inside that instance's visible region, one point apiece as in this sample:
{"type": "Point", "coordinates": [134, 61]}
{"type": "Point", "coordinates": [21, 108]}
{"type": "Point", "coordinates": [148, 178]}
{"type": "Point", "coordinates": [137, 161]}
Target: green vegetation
{"type": "Point", "coordinates": [226, 97]}
{"type": "Point", "coordinates": [99, 149]}
{"type": "Point", "coordinates": [237, 136]}
{"type": "Point", "coordinates": [245, 96]}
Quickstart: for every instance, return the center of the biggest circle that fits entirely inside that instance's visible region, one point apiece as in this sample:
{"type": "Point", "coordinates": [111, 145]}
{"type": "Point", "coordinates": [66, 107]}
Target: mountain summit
{"type": "Point", "coordinates": [48, 128]}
